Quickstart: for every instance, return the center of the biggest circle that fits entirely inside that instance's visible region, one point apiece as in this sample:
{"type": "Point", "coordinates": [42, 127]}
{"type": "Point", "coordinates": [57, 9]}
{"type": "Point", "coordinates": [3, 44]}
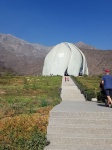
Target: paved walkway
{"type": "Point", "coordinates": [77, 124]}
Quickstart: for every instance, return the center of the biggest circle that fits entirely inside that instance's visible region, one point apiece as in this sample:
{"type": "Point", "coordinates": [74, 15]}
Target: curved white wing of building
{"type": "Point", "coordinates": [65, 58]}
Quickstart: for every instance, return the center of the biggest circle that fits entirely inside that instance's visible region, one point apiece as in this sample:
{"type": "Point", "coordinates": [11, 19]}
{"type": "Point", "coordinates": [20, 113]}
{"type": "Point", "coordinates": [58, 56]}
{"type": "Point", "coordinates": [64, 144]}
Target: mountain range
{"type": "Point", "coordinates": [22, 58]}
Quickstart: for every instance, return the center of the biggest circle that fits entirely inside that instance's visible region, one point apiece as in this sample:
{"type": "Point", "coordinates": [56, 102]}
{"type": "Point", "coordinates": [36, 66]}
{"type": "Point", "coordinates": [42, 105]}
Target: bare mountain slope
{"type": "Point", "coordinates": [21, 57]}
{"type": "Point", "coordinates": [82, 45]}
{"type": "Point", "coordinates": [98, 60]}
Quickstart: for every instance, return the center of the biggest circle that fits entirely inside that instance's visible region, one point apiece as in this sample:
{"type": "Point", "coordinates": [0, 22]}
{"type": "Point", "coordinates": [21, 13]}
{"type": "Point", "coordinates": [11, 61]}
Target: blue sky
{"type": "Point", "coordinates": [50, 22]}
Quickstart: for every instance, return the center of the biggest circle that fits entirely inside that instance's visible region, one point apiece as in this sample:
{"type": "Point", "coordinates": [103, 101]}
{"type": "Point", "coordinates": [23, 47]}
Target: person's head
{"type": "Point", "coordinates": [107, 71]}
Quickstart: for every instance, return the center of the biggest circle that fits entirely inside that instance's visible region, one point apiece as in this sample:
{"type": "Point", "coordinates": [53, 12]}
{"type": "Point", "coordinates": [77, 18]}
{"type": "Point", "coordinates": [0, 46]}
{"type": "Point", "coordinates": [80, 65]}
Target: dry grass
{"type": "Point", "coordinates": [25, 103]}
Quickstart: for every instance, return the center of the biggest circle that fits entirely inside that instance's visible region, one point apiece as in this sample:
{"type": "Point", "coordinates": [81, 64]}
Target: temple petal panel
{"type": "Point", "coordinates": [65, 59]}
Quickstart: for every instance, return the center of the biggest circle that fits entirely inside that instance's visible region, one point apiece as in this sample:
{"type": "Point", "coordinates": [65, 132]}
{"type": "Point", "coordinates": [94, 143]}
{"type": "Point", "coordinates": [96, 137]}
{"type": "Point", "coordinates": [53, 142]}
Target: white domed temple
{"type": "Point", "coordinates": [65, 59]}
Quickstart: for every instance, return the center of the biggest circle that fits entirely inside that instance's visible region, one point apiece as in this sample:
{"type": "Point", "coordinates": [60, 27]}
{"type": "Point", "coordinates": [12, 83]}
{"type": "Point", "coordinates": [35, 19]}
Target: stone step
{"type": "Point", "coordinates": [68, 114]}
{"type": "Point", "coordinates": [77, 147]}
{"type": "Point", "coordinates": [75, 95]}
{"type": "Point", "coordinates": [72, 95]}
{"type": "Point", "coordinates": [77, 121]}
{"type": "Point", "coordinates": [84, 130]}
{"type": "Point", "coordinates": [51, 136]}
{"type": "Point", "coordinates": [73, 99]}
{"type": "Point", "coordinates": [70, 87]}
{"type": "Point", "coordinates": [71, 90]}
{"type": "Point", "coordinates": [69, 84]}
{"type": "Point", "coordinates": [81, 140]}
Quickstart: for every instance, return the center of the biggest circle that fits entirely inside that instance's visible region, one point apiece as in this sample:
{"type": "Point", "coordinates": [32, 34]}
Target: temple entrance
{"type": "Point", "coordinates": [66, 73]}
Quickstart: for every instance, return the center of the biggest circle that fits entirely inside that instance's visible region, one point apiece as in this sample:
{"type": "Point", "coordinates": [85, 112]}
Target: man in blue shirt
{"type": "Point", "coordinates": [107, 83]}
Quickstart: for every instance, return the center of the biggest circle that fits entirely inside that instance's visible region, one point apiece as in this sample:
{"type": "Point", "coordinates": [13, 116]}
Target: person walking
{"type": "Point", "coordinates": [107, 84]}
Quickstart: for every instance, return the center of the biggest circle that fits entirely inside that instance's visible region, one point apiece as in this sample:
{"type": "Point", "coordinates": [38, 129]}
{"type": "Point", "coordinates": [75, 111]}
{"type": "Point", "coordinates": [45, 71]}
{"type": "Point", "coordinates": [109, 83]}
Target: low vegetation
{"type": "Point", "coordinates": [89, 86]}
{"type": "Point", "coordinates": [25, 103]}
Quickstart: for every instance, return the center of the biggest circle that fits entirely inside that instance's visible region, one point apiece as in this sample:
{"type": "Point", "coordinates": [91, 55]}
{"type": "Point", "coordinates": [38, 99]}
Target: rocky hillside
{"type": "Point", "coordinates": [20, 57]}
{"type": "Point", "coordinates": [82, 45]}
{"type": "Point", "coordinates": [98, 60]}
{"type": "Point", "coordinates": [23, 58]}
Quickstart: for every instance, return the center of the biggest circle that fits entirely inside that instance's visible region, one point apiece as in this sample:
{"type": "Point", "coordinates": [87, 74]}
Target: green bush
{"type": "Point", "coordinates": [89, 86]}
{"type": "Point", "coordinates": [36, 141]}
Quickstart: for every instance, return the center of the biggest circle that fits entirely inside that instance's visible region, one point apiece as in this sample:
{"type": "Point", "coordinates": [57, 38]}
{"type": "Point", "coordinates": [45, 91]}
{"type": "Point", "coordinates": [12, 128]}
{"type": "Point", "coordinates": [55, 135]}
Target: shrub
{"type": "Point", "coordinates": [89, 86]}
